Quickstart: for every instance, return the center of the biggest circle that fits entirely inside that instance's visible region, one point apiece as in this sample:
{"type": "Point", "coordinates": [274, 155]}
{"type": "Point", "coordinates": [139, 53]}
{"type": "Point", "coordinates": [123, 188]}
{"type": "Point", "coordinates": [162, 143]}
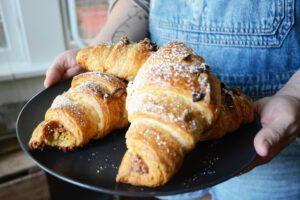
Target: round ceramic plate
{"type": "Point", "coordinates": [96, 165]}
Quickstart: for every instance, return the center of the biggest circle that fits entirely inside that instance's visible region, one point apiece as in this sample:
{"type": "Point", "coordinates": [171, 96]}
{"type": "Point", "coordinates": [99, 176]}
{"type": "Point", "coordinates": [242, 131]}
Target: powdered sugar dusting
{"type": "Point", "coordinates": [159, 140]}
{"type": "Point", "coordinates": [62, 101]}
{"type": "Point", "coordinates": [92, 86]}
{"type": "Point", "coordinates": [99, 75]}
{"type": "Point", "coordinates": [175, 65]}
{"type": "Point", "coordinates": [168, 111]}
{"type": "Point", "coordinates": [87, 84]}
{"type": "Point", "coordinates": [175, 49]}
{"type": "Point", "coordinates": [204, 84]}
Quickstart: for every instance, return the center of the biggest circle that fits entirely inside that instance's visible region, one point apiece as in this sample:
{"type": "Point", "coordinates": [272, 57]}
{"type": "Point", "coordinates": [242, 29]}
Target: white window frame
{"type": "Point", "coordinates": [34, 34]}
{"type": "Point", "coordinates": [4, 29]}
{"type": "Point", "coordinates": [13, 39]}
{"type": "Point", "coordinates": [74, 24]}
{"type": "Point", "coordinates": [70, 18]}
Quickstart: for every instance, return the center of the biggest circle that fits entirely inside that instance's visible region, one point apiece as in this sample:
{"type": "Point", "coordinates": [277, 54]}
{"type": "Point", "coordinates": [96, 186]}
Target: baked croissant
{"type": "Point", "coordinates": [122, 59]}
{"type": "Point", "coordinates": [90, 109]}
{"type": "Point", "coordinates": [173, 103]}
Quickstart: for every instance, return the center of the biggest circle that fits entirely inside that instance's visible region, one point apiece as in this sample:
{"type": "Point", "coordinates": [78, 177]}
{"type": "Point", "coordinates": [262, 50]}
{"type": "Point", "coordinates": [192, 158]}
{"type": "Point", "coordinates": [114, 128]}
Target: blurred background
{"type": "Point", "coordinates": [32, 34]}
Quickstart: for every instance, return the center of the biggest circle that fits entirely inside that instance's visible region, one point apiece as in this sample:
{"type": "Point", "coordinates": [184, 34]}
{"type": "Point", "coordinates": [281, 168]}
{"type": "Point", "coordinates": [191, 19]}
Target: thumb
{"type": "Point", "coordinates": [72, 72]}
{"type": "Point", "coordinates": [267, 138]}
{"type": "Point", "coordinates": [271, 139]}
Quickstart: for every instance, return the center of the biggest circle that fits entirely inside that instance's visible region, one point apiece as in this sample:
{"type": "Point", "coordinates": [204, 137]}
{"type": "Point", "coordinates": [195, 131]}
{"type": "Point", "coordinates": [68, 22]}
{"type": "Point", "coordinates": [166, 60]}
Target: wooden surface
{"type": "Point", "coordinates": [33, 186]}
{"type": "Point", "coordinates": [21, 179]}
{"type": "Point", "coordinates": [13, 163]}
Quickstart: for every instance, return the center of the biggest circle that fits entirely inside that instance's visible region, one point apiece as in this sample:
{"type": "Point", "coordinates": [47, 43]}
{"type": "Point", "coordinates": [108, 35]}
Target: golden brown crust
{"type": "Point", "coordinates": [176, 101]}
{"type": "Point", "coordinates": [236, 109]}
{"type": "Point", "coordinates": [90, 109]}
{"type": "Point", "coordinates": [152, 158]}
{"type": "Point", "coordinates": [122, 59]}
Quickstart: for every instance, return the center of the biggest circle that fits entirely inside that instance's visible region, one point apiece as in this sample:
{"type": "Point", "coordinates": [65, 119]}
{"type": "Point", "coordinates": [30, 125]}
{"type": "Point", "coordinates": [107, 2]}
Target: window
{"type": "Point", "coordinates": [31, 36]}
{"type": "Point", "coordinates": [83, 20]}
{"type": "Point", "coordinates": [3, 42]}
{"type": "Point", "coordinates": [33, 33]}
{"type": "Point", "coordinates": [11, 50]}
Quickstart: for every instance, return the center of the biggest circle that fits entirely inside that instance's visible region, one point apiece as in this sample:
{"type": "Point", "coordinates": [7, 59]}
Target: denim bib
{"type": "Point", "coordinates": [254, 44]}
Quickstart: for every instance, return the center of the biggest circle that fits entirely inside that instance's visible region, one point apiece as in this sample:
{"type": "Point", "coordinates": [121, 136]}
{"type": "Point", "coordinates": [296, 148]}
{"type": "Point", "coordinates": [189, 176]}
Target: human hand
{"type": "Point", "coordinates": [63, 67]}
{"type": "Point", "coordinates": [280, 119]}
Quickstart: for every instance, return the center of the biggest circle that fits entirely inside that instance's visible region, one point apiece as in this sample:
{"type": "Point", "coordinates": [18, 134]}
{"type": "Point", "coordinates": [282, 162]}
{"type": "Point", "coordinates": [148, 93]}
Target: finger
{"type": "Point", "coordinates": [275, 142]}
{"type": "Point", "coordinates": [61, 64]}
{"type": "Point", "coordinates": [72, 72]}
{"type": "Point", "coordinates": [54, 74]}
{"type": "Point", "coordinates": [265, 139]}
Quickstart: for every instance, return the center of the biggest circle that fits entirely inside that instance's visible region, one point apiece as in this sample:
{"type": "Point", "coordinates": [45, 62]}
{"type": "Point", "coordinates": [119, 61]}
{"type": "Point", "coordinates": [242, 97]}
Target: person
{"type": "Point", "coordinates": [253, 44]}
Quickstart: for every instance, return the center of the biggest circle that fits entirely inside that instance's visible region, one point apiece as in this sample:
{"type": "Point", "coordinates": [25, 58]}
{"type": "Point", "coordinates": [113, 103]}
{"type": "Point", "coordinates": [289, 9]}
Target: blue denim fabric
{"type": "Point", "coordinates": [251, 43]}
{"type": "Point", "coordinates": [254, 44]}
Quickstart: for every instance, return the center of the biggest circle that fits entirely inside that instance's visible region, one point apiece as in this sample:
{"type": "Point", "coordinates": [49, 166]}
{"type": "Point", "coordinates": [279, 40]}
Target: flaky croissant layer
{"type": "Point", "coordinates": [173, 103]}
{"type": "Point", "coordinates": [122, 59]}
{"type": "Point", "coordinates": [90, 109]}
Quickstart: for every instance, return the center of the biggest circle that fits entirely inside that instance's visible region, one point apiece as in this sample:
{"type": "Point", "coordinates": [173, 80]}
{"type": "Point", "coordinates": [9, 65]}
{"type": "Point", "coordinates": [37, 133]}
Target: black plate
{"type": "Point", "coordinates": [95, 166]}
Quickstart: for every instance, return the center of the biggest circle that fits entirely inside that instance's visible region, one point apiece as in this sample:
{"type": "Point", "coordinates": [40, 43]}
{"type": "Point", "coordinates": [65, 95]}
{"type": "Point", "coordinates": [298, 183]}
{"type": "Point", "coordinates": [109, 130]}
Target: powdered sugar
{"type": "Point", "coordinates": [162, 143]}
{"type": "Point", "coordinates": [175, 49]}
{"type": "Point", "coordinates": [88, 84]}
{"type": "Point", "coordinates": [168, 68]}
{"type": "Point", "coordinates": [175, 68]}
{"type": "Point", "coordinates": [92, 86]}
{"type": "Point", "coordinates": [167, 111]}
{"type": "Point", "coordinates": [99, 75]}
{"type": "Point", "coordinates": [62, 101]}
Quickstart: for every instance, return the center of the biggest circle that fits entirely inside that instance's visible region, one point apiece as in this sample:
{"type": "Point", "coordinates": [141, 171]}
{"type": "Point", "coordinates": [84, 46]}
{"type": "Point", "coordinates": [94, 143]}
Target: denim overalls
{"type": "Point", "coordinates": [254, 44]}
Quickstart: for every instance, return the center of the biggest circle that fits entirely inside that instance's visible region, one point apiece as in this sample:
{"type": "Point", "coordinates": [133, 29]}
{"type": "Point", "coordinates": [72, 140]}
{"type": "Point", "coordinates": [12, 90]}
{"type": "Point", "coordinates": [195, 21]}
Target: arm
{"type": "Point", "coordinates": [292, 87]}
{"type": "Point", "coordinates": [125, 18]}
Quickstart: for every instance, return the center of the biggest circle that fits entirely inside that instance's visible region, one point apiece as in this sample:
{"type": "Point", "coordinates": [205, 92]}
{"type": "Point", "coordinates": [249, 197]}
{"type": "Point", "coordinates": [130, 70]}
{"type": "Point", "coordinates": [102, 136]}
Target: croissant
{"type": "Point", "coordinates": [122, 59]}
{"type": "Point", "coordinates": [173, 103]}
{"type": "Point", "coordinates": [90, 109]}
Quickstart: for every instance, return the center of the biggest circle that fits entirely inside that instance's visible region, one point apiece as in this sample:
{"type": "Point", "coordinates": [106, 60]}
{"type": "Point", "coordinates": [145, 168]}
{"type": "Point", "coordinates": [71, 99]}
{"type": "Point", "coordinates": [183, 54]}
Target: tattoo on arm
{"type": "Point", "coordinates": [130, 21]}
